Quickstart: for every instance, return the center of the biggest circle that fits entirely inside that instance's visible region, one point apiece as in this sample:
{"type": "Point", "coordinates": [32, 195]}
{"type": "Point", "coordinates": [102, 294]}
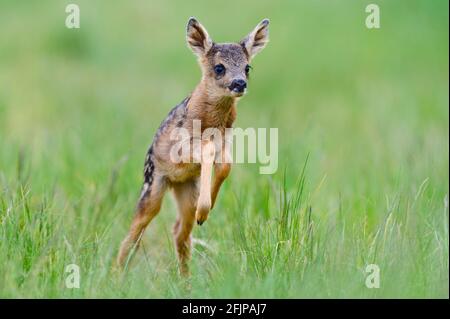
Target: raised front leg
{"type": "Point", "coordinates": [204, 198]}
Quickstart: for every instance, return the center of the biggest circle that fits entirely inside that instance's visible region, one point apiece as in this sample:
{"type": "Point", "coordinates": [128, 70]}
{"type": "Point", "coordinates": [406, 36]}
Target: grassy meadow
{"type": "Point", "coordinates": [363, 177]}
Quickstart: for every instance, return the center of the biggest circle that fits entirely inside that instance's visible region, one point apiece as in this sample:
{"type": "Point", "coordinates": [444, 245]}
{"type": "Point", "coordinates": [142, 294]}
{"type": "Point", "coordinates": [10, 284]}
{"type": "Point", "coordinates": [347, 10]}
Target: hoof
{"type": "Point", "coordinates": [201, 215]}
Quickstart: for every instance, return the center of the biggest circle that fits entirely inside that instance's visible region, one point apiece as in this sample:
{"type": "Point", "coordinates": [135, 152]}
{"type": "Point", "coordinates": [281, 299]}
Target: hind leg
{"type": "Point", "coordinates": [186, 197]}
{"type": "Point", "coordinates": [147, 208]}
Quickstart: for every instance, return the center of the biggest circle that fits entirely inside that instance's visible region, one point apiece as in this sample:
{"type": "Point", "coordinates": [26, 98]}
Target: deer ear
{"type": "Point", "coordinates": [256, 40]}
{"type": "Point", "coordinates": [197, 37]}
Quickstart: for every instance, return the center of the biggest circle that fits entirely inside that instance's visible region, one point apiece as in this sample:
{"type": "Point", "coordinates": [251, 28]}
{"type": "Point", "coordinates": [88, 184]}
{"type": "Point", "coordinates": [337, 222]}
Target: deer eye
{"type": "Point", "coordinates": [247, 69]}
{"type": "Point", "coordinates": [219, 69]}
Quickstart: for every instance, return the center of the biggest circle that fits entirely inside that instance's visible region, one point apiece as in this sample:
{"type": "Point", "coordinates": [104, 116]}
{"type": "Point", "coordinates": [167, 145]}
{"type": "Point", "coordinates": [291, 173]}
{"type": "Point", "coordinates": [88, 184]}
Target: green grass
{"type": "Point", "coordinates": [363, 150]}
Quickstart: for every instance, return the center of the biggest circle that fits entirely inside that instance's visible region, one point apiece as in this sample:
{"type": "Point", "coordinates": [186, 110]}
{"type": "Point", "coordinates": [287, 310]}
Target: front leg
{"type": "Point", "coordinates": [204, 198]}
{"type": "Point", "coordinates": [221, 172]}
{"type": "Point", "coordinates": [222, 169]}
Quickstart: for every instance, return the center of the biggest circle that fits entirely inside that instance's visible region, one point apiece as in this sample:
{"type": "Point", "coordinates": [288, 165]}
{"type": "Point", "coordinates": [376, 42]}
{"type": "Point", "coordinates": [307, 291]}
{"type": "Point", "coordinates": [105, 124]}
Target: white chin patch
{"type": "Point", "coordinates": [235, 92]}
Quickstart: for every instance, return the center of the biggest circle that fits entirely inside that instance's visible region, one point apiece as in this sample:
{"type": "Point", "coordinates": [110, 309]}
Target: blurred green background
{"type": "Point", "coordinates": [367, 107]}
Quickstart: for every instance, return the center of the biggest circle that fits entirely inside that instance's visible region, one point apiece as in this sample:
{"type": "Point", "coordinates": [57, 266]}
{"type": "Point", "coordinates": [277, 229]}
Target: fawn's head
{"type": "Point", "coordinates": [226, 66]}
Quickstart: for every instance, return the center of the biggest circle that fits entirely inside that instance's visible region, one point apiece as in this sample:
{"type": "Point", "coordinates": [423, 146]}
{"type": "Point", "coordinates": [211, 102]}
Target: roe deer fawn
{"type": "Point", "coordinates": [225, 69]}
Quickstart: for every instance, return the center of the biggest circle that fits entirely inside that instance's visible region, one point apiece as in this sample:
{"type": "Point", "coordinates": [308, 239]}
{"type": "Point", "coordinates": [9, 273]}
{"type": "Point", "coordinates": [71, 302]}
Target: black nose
{"type": "Point", "coordinates": [238, 86]}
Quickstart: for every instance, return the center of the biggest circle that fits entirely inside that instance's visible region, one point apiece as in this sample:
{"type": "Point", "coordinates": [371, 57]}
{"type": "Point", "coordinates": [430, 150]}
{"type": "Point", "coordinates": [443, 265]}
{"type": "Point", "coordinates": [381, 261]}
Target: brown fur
{"type": "Point", "coordinates": [214, 103]}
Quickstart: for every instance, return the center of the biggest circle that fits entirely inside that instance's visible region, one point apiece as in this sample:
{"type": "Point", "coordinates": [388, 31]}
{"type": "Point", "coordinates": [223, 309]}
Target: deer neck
{"type": "Point", "coordinates": [211, 109]}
